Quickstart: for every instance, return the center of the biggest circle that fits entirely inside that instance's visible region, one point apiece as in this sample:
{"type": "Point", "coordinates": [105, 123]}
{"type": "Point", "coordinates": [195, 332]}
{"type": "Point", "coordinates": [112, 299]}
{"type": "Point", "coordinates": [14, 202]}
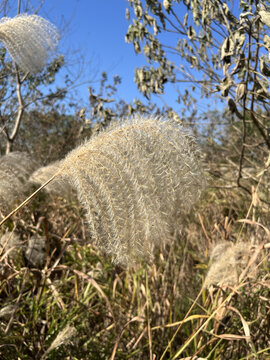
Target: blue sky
{"type": "Point", "coordinates": [94, 30]}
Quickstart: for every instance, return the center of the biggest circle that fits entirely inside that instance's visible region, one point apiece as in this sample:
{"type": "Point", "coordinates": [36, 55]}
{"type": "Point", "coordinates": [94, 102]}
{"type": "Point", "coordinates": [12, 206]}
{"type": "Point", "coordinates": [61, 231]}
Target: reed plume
{"type": "Point", "coordinates": [134, 180]}
{"type": "Point", "coordinates": [29, 40]}
{"type": "Point", "coordinates": [57, 186]}
{"type": "Point", "coordinates": [227, 263]}
{"type": "Point", "coordinates": [15, 170]}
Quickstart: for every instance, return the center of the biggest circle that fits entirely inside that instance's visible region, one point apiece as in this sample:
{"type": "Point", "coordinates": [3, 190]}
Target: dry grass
{"type": "Point", "coordinates": [56, 187]}
{"type": "Point", "coordinates": [134, 313]}
{"type": "Point", "coordinates": [204, 295]}
{"type": "Point", "coordinates": [80, 305]}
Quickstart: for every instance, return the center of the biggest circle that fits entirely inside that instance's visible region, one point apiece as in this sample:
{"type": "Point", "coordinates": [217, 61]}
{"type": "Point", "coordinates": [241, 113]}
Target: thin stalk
{"type": "Point", "coordinates": [21, 108]}
{"type": "Point", "coordinates": [10, 139]}
{"type": "Point", "coordinates": [19, 7]}
{"type": "Point", "coordinates": [182, 322]}
{"type": "Point", "coordinates": [29, 198]}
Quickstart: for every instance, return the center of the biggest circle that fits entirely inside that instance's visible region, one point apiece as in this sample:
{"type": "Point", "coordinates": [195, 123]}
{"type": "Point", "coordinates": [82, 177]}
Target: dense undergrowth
{"type": "Point", "coordinates": [78, 305]}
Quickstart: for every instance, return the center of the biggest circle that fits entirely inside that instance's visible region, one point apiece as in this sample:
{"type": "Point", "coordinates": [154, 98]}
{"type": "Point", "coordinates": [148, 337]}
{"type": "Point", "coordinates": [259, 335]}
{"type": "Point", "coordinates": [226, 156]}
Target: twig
{"type": "Point", "coordinates": [10, 138]}
{"type": "Point", "coordinates": [28, 199]}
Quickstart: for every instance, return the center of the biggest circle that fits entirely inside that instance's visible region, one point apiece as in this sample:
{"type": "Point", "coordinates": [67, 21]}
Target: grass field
{"type": "Point", "coordinates": [78, 305]}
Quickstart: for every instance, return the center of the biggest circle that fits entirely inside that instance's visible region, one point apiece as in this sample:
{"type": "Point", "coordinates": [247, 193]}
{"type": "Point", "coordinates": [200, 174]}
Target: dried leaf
{"type": "Point", "coordinates": [138, 10]}
{"type": "Point", "coordinates": [225, 85]}
{"type": "Point", "coordinates": [229, 15]}
{"type": "Point", "coordinates": [167, 5]}
{"type": "Point", "coordinates": [190, 318]}
{"type": "Point", "coordinates": [244, 323]}
{"type": "Point", "coordinates": [239, 39]}
{"type": "Point", "coordinates": [265, 70]}
{"type": "Point", "coordinates": [185, 19]}
{"type": "Point", "coordinates": [265, 17]}
{"type": "Point", "coordinates": [241, 91]}
{"type": "Point", "coordinates": [191, 33]}
{"type": "Point", "coordinates": [231, 105]}
{"type": "Point", "coordinates": [266, 40]}
{"type": "Point", "coordinates": [227, 49]}
{"type": "Point", "coordinates": [239, 65]}
{"type": "Point", "coordinates": [193, 358]}
{"type": "Point", "coordinates": [232, 337]}
{"type": "Point", "coordinates": [127, 14]}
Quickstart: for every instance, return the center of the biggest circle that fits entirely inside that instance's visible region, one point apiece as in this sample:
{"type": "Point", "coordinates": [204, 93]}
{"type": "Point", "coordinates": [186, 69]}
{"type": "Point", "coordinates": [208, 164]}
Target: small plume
{"type": "Point", "coordinates": [15, 170]}
{"type": "Point", "coordinates": [29, 40]}
{"type": "Point", "coordinates": [57, 186]}
{"type": "Point", "coordinates": [63, 338]}
{"type": "Point", "coordinates": [134, 180]}
{"type": "Point", "coordinates": [228, 262]}
{"type": "Point", "coordinates": [7, 311]}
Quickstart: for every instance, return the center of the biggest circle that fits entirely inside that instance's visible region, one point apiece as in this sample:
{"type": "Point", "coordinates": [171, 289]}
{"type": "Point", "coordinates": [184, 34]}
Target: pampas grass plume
{"type": "Point", "coordinates": [134, 180]}
{"type": "Point", "coordinates": [228, 262]}
{"type": "Point", "coordinates": [57, 186]}
{"type": "Point", "coordinates": [15, 170]}
{"type": "Point", "coordinates": [29, 40]}
{"type": "Point", "coordinates": [62, 338]}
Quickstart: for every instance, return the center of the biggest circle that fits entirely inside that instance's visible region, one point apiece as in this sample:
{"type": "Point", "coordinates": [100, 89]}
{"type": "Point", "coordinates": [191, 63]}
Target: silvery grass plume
{"type": "Point", "coordinates": [29, 40]}
{"type": "Point", "coordinates": [228, 262]}
{"type": "Point", "coordinates": [57, 186]}
{"type": "Point", "coordinates": [134, 180]}
{"type": "Point", "coordinates": [15, 170]}
{"type": "Point", "coordinates": [65, 336]}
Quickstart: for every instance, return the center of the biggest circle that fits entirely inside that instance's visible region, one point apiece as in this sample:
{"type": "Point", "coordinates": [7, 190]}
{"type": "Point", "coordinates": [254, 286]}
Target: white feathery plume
{"type": "Point", "coordinates": [62, 338]}
{"type": "Point", "coordinates": [228, 262]}
{"type": "Point", "coordinates": [134, 180]}
{"type": "Point", "coordinates": [29, 40]}
{"type": "Point", "coordinates": [15, 170]}
{"type": "Point", "coordinates": [56, 187]}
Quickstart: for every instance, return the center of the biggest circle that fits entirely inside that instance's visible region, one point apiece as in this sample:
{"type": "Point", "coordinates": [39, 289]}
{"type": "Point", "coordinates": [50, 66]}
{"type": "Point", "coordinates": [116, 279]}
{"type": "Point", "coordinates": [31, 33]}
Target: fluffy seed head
{"type": "Point", "coordinates": [228, 262]}
{"type": "Point", "coordinates": [29, 40]}
{"type": "Point", "coordinates": [63, 338]}
{"type": "Point", "coordinates": [57, 186]}
{"type": "Point", "coordinates": [134, 180]}
{"type": "Point", "coordinates": [15, 169]}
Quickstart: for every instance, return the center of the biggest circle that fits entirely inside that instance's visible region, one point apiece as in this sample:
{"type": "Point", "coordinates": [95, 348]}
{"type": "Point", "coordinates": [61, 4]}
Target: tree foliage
{"type": "Point", "coordinates": [221, 47]}
{"type": "Point", "coordinates": [28, 77]}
